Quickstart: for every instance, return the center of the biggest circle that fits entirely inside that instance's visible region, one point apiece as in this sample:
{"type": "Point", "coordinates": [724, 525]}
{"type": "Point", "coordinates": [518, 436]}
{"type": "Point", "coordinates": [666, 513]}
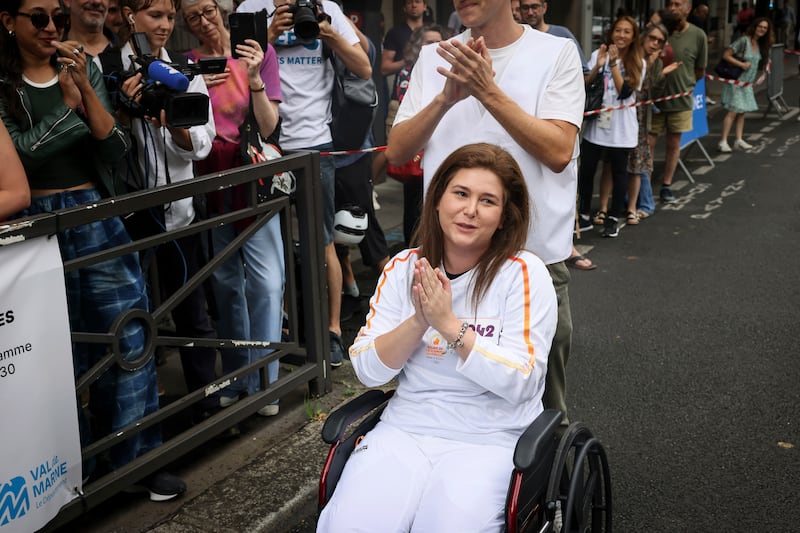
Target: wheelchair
{"type": "Point", "coordinates": [554, 470]}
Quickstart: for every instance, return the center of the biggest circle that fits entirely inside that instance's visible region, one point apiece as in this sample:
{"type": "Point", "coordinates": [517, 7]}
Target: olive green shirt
{"type": "Point", "coordinates": [691, 47]}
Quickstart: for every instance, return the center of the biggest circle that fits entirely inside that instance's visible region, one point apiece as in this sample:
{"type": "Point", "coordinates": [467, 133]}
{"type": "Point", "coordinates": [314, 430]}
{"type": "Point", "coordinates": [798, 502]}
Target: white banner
{"type": "Point", "coordinates": [40, 454]}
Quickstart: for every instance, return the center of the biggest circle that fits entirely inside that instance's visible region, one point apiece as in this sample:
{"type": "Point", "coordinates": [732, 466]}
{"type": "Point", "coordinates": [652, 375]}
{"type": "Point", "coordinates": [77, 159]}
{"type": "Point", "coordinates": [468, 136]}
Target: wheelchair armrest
{"type": "Point", "coordinates": [338, 421]}
{"type": "Point", "coordinates": [536, 439]}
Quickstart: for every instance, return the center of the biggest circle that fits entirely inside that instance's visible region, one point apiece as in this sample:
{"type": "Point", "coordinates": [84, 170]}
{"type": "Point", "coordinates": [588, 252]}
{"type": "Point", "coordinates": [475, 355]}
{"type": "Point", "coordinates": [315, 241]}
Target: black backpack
{"type": "Point", "coordinates": [353, 106]}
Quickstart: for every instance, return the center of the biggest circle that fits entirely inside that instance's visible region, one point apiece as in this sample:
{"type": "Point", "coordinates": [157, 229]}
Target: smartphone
{"type": "Point", "coordinates": [212, 65]}
{"type": "Point", "coordinates": [248, 26]}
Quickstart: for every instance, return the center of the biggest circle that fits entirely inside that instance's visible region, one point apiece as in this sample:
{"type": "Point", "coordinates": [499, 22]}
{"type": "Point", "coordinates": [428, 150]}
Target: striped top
{"type": "Point", "coordinates": [493, 395]}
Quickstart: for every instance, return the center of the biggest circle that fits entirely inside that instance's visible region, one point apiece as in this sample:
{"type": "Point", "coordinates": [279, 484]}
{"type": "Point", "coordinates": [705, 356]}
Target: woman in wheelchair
{"type": "Point", "coordinates": [464, 321]}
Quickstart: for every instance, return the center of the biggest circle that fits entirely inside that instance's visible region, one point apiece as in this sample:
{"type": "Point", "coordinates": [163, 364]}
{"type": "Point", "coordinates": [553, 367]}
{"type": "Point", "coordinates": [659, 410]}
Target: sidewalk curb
{"type": "Point", "coordinates": [270, 493]}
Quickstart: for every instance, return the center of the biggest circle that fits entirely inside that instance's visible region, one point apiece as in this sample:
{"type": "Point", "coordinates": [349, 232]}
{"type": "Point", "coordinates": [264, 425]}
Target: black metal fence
{"type": "Point", "coordinates": [309, 356]}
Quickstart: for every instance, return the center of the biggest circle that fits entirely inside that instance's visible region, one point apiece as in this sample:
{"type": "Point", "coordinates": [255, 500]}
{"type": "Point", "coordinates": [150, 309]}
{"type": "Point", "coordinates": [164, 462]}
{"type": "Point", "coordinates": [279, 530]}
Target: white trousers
{"type": "Point", "coordinates": [398, 482]}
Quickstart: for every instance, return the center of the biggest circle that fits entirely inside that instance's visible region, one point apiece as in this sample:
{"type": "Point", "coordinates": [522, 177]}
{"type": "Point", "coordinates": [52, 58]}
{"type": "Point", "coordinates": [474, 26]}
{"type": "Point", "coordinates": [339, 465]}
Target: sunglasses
{"type": "Point", "coordinates": [41, 20]}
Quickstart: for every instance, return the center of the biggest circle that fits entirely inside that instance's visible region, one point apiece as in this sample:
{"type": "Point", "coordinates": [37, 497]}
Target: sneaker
{"type": "Point", "coordinates": [227, 401]}
{"type": "Point", "coordinates": [163, 486]}
{"type": "Point", "coordinates": [351, 290]}
{"type": "Point", "coordinates": [269, 410]}
{"type": "Point", "coordinates": [337, 350]}
{"type": "Point", "coordinates": [739, 144]}
{"type": "Point", "coordinates": [558, 519]}
{"type": "Point", "coordinates": [724, 147]}
{"type": "Point", "coordinates": [610, 227]}
{"type": "Point", "coordinates": [666, 195]}
{"type": "Point", "coordinates": [585, 222]}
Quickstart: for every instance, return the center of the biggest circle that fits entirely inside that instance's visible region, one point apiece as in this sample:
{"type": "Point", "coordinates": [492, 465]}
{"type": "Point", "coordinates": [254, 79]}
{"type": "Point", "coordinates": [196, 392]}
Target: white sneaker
{"type": "Point", "coordinates": [227, 401]}
{"type": "Point", "coordinates": [724, 147]}
{"type": "Point", "coordinates": [269, 410]}
{"type": "Point", "coordinates": [739, 144]}
{"type": "Point", "coordinates": [558, 519]}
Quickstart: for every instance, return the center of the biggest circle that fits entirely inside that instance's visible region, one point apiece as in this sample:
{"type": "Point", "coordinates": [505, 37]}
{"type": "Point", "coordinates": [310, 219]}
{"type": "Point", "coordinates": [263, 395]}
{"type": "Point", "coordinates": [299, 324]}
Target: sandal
{"type": "Point", "coordinates": [572, 262]}
{"type": "Point", "coordinates": [642, 214]}
{"type": "Point", "coordinates": [632, 218]}
{"type": "Point", "coordinates": [600, 218]}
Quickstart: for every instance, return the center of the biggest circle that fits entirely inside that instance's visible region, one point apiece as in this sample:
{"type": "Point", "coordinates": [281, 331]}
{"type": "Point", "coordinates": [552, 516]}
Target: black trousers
{"type": "Point", "coordinates": [591, 155]}
{"type": "Point", "coordinates": [177, 262]}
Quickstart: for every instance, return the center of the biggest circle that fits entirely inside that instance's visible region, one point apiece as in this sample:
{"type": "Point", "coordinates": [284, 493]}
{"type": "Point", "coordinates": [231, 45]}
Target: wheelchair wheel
{"type": "Point", "coordinates": [580, 480]}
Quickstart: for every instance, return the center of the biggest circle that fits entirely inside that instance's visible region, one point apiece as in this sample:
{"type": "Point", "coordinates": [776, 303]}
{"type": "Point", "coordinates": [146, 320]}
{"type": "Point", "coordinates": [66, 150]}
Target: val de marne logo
{"type": "Point", "coordinates": [14, 500]}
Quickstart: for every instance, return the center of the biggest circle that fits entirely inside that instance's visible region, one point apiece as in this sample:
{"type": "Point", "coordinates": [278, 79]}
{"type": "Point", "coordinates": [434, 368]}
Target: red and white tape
{"type": "Point", "coordinates": [350, 152]}
{"type": "Point", "coordinates": [638, 104]}
{"type": "Point", "coordinates": [730, 81]}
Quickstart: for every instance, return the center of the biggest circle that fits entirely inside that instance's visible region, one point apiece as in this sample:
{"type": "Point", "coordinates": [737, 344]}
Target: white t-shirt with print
{"type": "Point", "coordinates": [618, 128]}
{"type": "Point", "coordinates": [306, 79]}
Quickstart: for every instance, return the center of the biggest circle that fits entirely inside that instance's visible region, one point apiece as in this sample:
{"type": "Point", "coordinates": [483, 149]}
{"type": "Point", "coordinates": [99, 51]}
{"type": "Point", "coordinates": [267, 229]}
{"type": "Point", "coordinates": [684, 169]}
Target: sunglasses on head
{"type": "Point", "coordinates": [41, 20]}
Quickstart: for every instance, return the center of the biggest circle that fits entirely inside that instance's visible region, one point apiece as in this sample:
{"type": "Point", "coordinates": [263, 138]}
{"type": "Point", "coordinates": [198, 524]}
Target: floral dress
{"type": "Point", "coordinates": [735, 97]}
{"type": "Point", "coordinates": [640, 160]}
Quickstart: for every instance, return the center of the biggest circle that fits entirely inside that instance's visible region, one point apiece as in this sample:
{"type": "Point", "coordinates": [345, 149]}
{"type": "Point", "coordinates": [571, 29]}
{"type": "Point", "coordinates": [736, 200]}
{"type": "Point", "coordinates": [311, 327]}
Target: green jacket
{"type": "Point", "coordinates": [54, 135]}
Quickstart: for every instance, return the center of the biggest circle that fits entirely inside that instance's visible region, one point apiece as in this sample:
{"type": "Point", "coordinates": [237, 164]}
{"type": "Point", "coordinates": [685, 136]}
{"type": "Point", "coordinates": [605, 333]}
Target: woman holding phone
{"type": "Point", "coordinates": [249, 285]}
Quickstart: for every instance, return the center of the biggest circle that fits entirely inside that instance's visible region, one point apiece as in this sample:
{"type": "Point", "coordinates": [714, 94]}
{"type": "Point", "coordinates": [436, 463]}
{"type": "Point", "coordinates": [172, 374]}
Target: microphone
{"type": "Point", "coordinates": [164, 73]}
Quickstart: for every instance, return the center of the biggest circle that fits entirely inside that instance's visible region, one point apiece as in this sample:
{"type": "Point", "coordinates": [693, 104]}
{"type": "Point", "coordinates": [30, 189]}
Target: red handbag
{"type": "Point", "coordinates": [410, 171]}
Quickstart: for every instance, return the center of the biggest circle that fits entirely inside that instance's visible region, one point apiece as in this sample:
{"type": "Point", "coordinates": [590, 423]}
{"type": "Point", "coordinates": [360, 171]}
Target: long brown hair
{"type": "Point", "coordinates": [632, 62]}
{"type": "Point", "coordinates": [505, 243]}
{"type": "Point", "coordinates": [765, 42]}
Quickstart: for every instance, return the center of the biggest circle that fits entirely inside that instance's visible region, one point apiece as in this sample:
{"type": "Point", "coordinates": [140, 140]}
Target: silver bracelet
{"type": "Point", "coordinates": [459, 341]}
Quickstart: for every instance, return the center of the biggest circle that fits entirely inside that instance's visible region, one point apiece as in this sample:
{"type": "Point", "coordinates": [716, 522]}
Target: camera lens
{"type": "Point", "coordinates": [306, 26]}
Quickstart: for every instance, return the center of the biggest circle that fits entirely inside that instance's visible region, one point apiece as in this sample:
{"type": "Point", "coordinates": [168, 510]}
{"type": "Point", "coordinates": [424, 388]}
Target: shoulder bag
{"type": "Point", "coordinates": [727, 70]}
{"type": "Point", "coordinates": [353, 106]}
{"type": "Point", "coordinates": [255, 149]}
{"type": "Point", "coordinates": [594, 95]}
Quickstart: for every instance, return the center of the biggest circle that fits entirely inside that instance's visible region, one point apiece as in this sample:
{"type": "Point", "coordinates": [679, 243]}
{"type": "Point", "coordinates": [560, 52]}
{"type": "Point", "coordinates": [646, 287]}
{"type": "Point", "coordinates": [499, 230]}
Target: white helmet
{"type": "Point", "coordinates": [349, 225]}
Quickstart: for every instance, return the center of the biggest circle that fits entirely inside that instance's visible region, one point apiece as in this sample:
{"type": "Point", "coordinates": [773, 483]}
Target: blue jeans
{"type": "Point", "coordinates": [645, 202]}
{"type": "Point", "coordinates": [249, 292]}
{"type": "Point", "coordinates": [96, 295]}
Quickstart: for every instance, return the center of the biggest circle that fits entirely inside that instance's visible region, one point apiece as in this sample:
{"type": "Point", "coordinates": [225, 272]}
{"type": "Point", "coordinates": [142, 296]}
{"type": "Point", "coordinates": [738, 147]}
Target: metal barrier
{"type": "Point", "coordinates": [775, 82]}
{"type": "Point", "coordinates": [309, 358]}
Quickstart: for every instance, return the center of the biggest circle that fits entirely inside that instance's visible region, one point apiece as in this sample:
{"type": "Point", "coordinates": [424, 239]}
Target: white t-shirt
{"type": "Point", "coordinates": [497, 392]}
{"type": "Point", "coordinates": [306, 79]}
{"type": "Point", "coordinates": [156, 150]}
{"type": "Point", "coordinates": [618, 128]}
{"type": "Point", "coordinates": [549, 87]}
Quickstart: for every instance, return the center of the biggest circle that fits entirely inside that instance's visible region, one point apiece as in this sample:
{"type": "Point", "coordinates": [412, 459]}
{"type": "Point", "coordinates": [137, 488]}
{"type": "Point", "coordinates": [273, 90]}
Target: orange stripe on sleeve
{"type": "Point", "coordinates": [379, 288]}
{"type": "Point", "coordinates": [526, 284]}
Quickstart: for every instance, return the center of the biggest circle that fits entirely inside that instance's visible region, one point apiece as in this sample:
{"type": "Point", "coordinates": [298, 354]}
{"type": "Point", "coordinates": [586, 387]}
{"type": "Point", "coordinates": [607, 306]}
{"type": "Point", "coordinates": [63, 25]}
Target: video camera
{"type": "Point", "coordinates": [306, 20]}
{"type": "Point", "coordinates": [165, 87]}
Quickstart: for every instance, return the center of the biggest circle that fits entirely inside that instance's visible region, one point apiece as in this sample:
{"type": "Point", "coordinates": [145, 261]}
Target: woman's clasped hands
{"type": "Point", "coordinates": [433, 299]}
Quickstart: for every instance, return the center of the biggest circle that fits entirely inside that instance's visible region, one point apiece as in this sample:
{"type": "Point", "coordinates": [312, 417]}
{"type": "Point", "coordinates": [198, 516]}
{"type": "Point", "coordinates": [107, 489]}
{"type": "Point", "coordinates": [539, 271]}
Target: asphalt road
{"type": "Point", "coordinates": [685, 348]}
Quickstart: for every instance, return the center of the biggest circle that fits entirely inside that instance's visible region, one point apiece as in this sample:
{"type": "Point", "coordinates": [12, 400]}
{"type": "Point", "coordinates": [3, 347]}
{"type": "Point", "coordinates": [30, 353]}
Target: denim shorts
{"type": "Point", "coordinates": [327, 174]}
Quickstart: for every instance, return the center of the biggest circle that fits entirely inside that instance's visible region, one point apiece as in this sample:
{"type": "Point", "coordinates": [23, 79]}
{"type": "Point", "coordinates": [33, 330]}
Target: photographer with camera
{"type": "Point", "coordinates": [298, 30]}
{"type": "Point", "coordinates": [164, 152]}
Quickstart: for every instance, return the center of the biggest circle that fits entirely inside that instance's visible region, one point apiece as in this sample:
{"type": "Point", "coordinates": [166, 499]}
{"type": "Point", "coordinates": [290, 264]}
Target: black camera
{"type": "Point", "coordinates": [306, 20]}
{"type": "Point", "coordinates": [165, 87]}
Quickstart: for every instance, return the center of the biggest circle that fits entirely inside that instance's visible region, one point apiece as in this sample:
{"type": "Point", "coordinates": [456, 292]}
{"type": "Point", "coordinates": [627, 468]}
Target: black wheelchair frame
{"type": "Point", "coordinates": [555, 472]}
